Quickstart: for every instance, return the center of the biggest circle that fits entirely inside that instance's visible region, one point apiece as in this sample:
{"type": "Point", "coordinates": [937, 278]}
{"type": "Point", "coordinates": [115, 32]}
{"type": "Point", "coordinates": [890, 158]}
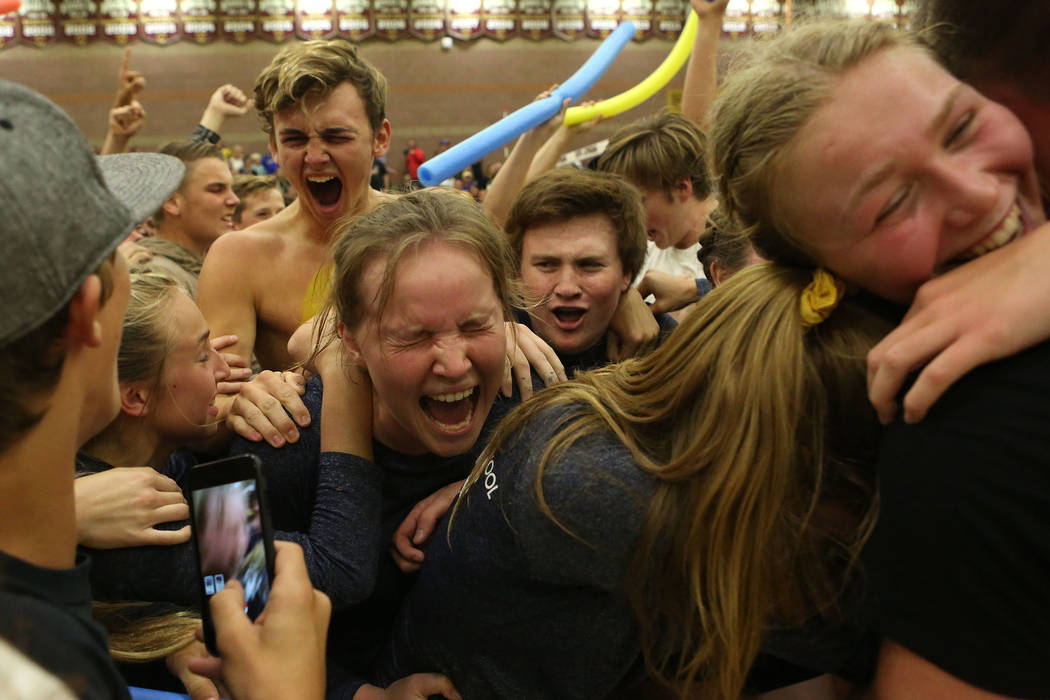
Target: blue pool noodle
{"type": "Point", "coordinates": [487, 140]}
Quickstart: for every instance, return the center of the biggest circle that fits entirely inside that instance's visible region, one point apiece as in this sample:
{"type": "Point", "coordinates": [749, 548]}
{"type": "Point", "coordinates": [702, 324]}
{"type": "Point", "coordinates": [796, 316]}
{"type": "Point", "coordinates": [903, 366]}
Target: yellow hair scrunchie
{"type": "Point", "coordinates": [820, 297]}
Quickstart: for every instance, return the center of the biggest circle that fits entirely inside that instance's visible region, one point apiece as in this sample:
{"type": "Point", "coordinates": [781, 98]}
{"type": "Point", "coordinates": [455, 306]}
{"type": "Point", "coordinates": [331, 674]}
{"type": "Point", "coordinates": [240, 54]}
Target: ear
{"type": "Point", "coordinates": [718, 273]}
{"type": "Point", "coordinates": [353, 350]}
{"type": "Point", "coordinates": [134, 398]}
{"type": "Point", "coordinates": [84, 326]}
{"type": "Point", "coordinates": [626, 282]}
{"type": "Point", "coordinates": [381, 142]}
{"type": "Point", "coordinates": [172, 206]}
{"type": "Point", "coordinates": [683, 190]}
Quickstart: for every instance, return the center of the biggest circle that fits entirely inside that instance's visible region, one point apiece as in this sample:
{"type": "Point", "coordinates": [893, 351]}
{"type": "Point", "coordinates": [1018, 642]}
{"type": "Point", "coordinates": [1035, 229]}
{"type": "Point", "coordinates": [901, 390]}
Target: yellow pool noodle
{"type": "Point", "coordinates": [645, 89]}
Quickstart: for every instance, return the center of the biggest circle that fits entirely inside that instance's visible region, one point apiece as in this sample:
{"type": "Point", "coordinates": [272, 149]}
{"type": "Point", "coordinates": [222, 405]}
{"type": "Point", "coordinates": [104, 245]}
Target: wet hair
{"type": "Point", "coordinates": [314, 68]}
{"type": "Point", "coordinates": [761, 442]}
{"type": "Point", "coordinates": [137, 633]}
{"type": "Point", "coordinates": [762, 106]}
{"type": "Point", "coordinates": [566, 193]}
{"type": "Point", "coordinates": [403, 226]}
{"type": "Point", "coordinates": [658, 152]}
{"type": "Point", "coordinates": [30, 367]}
{"type": "Point", "coordinates": [147, 338]}
{"type": "Point", "coordinates": [245, 186]}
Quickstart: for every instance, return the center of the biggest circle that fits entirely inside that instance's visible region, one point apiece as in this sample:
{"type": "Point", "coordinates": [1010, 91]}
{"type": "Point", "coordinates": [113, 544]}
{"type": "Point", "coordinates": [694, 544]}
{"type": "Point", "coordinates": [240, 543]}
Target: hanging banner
{"type": "Point", "coordinates": [766, 16]}
{"type": "Point", "coordinates": [463, 19]}
{"type": "Point", "coordinates": [160, 21]}
{"type": "Point", "coordinates": [238, 20]}
{"type": "Point", "coordinates": [8, 29]}
{"type": "Point", "coordinates": [276, 19]}
{"type": "Point", "coordinates": [499, 19]}
{"type": "Point", "coordinates": [737, 19]}
{"type": "Point", "coordinates": [78, 21]}
{"type": "Point", "coordinates": [534, 19]}
{"type": "Point", "coordinates": [603, 16]}
{"type": "Point", "coordinates": [640, 14]}
{"type": "Point", "coordinates": [354, 19]}
{"type": "Point", "coordinates": [669, 17]}
{"type": "Point", "coordinates": [120, 20]}
{"type": "Point", "coordinates": [38, 23]}
{"type": "Point", "coordinates": [426, 19]}
{"type": "Point", "coordinates": [391, 17]}
{"type": "Point", "coordinates": [569, 19]}
{"type": "Point", "coordinates": [199, 21]}
{"type": "Point", "coordinates": [314, 19]}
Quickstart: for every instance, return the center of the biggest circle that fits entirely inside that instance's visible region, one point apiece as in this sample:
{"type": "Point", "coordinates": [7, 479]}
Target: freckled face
{"type": "Point", "coordinates": [927, 173]}
{"type": "Point", "coordinates": [436, 356]}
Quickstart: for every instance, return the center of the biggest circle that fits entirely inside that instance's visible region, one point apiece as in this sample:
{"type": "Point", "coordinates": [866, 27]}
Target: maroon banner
{"type": "Point", "coordinates": [499, 19]}
{"type": "Point", "coordinates": [391, 18]}
{"type": "Point", "coordinates": [766, 16]}
{"type": "Point", "coordinates": [160, 21]}
{"type": "Point", "coordinates": [120, 21]}
{"type": "Point", "coordinates": [640, 14]}
{"type": "Point", "coordinates": [276, 19]}
{"type": "Point", "coordinates": [38, 23]}
{"type": "Point", "coordinates": [8, 29]}
{"type": "Point", "coordinates": [534, 19]}
{"type": "Point", "coordinates": [426, 19]}
{"type": "Point", "coordinates": [569, 19]}
{"type": "Point", "coordinates": [354, 19]}
{"type": "Point", "coordinates": [737, 20]}
{"type": "Point", "coordinates": [199, 20]}
{"type": "Point", "coordinates": [669, 18]}
{"type": "Point", "coordinates": [78, 21]}
{"type": "Point", "coordinates": [463, 19]}
{"type": "Point", "coordinates": [315, 19]}
{"type": "Point", "coordinates": [238, 20]}
{"type": "Point", "coordinates": [603, 16]}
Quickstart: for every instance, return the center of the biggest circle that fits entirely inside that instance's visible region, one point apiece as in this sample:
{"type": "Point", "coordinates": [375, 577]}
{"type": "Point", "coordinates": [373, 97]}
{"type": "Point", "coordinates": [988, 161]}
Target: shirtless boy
{"type": "Point", "coordinates": [323, 107]}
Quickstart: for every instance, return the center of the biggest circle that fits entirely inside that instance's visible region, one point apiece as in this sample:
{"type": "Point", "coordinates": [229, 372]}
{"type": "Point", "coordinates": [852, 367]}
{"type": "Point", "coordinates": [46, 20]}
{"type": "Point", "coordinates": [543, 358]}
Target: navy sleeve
{"type": "Point", "coordinates": [342, 547]}
{"type": "Point", "coordinates": [328, 503]}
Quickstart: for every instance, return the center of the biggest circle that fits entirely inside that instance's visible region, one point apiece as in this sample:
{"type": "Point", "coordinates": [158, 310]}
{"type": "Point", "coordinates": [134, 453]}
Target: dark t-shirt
{"type": "Point", "coordinates": [960, 559]}
{"type": "Point", "coordinates": [513, 606]}
{"type": "Point", "coordinates": [46, 613]}
{"type": "Point", "coordinates": [594, 356]}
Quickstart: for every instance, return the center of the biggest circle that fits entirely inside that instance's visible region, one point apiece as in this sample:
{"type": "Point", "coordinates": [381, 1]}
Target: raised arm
{"type": "Point", "coordinates": [514, 172]}
{"type": "Point", "coordinates": [701, 74]}
{"type": "Point", "coordinates": [227, 101]}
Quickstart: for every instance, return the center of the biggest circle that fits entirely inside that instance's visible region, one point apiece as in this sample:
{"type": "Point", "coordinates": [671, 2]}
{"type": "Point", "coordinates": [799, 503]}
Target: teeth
{"type": "Point", "coordinates": [1010, 229]}
{"type": "Point", "coordinates": [325, 178]}
{"type": "Point", "coordinates": [450, 398]}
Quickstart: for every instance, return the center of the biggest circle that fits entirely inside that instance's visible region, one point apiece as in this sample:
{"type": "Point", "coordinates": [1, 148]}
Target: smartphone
{"type": "Point", "coordinates": [231, 533]}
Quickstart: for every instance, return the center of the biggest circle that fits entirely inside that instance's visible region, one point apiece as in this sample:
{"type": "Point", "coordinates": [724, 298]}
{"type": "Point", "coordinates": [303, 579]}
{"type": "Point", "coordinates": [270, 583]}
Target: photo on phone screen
{"type": "Point", "coordinates": [231, 532]}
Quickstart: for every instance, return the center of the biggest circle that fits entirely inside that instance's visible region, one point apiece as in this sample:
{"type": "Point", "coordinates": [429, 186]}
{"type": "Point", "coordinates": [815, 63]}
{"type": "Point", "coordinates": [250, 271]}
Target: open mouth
{"type": "Point", "coordinates": [453, 413]}
{"type": "Point", "coordinates": [227, 220]}
{"type": "Point", "coordinates": [568, 317]}
{"type": "Point", "coordinates": [325, 190]}
{"type": "Point", "coordinates": [1011, 228]}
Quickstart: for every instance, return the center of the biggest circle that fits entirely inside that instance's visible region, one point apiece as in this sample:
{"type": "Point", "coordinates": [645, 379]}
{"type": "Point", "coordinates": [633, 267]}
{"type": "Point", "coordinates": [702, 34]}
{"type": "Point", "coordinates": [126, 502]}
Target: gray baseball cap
{"type": "Point", "coordinates": [60, 220]}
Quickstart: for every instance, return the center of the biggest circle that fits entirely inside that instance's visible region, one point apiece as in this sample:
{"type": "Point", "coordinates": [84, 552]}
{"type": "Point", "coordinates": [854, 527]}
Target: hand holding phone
{"type": "Point", "coordinates": [231, 534]}
{"type": "Point", "coordinates": [280, 655]}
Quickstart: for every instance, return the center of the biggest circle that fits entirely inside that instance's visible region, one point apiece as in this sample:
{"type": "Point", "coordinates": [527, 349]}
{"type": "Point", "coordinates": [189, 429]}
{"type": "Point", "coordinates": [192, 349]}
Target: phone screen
{"type": "Point", "coordinates": [230, 541]}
